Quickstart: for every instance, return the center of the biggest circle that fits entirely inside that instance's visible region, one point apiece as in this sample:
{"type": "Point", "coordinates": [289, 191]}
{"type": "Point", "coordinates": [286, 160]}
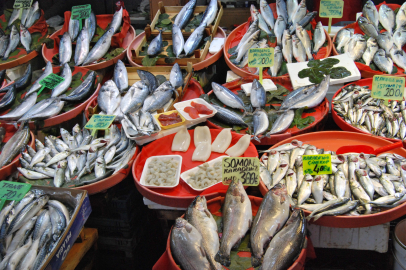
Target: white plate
{"type": "Point", "coordinates": [180, 106]}
{"type": "Point", "coordinates": [144, 171]}
{"type": "Point", "coordinates": [186, 175]}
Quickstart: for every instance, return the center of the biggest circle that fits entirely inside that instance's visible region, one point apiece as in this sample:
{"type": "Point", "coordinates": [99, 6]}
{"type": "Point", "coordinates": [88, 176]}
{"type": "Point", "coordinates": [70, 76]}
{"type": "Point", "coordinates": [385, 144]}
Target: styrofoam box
{"type": "Point", "coordinates": [144, 171]}
{"type": "Point", "coordinates": [186, 175]}
{"type": "Point", "coordinates": [181, 105]}
{"type": "Point", "coordinates": [345, 61]}
{"type": "Point", "coordinates": [266, 83]}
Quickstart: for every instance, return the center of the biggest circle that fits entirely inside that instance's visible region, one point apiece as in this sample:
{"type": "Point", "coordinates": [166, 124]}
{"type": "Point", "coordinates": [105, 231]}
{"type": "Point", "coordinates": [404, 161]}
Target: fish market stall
{"type": "Point", "coordinates": [270, 29]}
{"type": "Point", "coordinates": [105, 43]}
{"type": "Point", "coordinates": [188, 149]}
{"type": "Point", "coordinates": [246, 256]}
{"type": "Point", "coordinates": [376, 41]}
{"type": "Point", "coordinates": [13, 141]}
{"type": "Point", "coordinates": [392, 128]}
{"type": "Point", "coordinates": [378, 200]}
{"type": "Point", "coordinates": [21, 38]}
{"type": "Point", "coordinates": [24, 100]}
{"type": "Point", "coordinates": [272, 130]}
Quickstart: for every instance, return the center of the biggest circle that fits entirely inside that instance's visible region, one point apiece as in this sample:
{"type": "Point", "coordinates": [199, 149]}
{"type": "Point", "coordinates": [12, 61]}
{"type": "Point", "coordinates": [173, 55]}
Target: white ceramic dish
{"type": "Point", "coordinates": [144, 171]}
{"type": "Point", "coordinates": [186, 175]}
{"type": "Point", "coordinates": [180, 106]}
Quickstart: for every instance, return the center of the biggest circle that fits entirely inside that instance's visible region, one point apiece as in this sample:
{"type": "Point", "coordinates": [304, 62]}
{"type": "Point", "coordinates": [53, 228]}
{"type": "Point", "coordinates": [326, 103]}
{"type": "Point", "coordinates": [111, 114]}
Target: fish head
{"type": "Point", "coordinates": [235, 188]}
{"type": "Point", "coordinates": [180, 223]}
{"type": "Point", "coordinates": [263, 3]}
{"type": "Point", "coordinates": [296, 143]}
{"type": "Point", "coordinates": [308, 178]}
{"type": "Point", "coordinates": [277, 49]}
{"type": "Point", "coordinates": [253, 10]}
{"type": "Point", "coordinates": [62, 164]}
{"type": "Point", "coordinates": [361, 173]}
{"type": "Point", "coordinates": [280, 191]}
{"type": "Point", "coordinates": [302, 4]}
{"type": "Point", "coordinates": [296, 215]}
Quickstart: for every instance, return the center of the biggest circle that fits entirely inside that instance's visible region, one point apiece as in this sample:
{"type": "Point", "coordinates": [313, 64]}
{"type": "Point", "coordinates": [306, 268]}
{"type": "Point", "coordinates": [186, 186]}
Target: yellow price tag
{"type": "Point", "coordinates": [244, 169]}
{"type": "Point", "coordinates": [331, 8]}
{"type": "Point", "coordinates": [317, 164]}
{"type": "Point", "coordinates": [261, 57]}
{"type": "Point", "coordinates": [388, 87]}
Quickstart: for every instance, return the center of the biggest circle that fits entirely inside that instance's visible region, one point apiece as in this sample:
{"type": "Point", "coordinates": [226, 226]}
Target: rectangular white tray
{"type": "Point", "coordinates": [144, 171]}
{"type": "Point", "coordinates": [180, 106]}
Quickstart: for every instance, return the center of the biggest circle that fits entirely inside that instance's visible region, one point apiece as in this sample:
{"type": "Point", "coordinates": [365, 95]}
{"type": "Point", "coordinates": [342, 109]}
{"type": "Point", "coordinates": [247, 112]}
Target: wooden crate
{"type": "Point", "coordinates": [172, 11]}
{"type": "Point", "coordinates": [199, 55]}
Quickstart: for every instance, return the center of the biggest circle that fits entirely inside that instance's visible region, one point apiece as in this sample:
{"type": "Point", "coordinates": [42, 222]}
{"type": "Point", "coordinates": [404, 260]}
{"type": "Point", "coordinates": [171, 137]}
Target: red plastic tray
{"type": "Point", "coordinates": [236, 35]}
{"type": "Point", "coordinates": [7, 170]}
{"type": "Point", "coordinates": [167, 262]}
{"type": "Point", "coordinates": [366, 71]}
{"type": "Point", "coordinates": [332, 140]}
{"type": "Point", "coordinates": [320, 114]}
{"type": "Point", "coordinates": [347, 127]}
{"type": "Point", "coordinates": [181, 195]}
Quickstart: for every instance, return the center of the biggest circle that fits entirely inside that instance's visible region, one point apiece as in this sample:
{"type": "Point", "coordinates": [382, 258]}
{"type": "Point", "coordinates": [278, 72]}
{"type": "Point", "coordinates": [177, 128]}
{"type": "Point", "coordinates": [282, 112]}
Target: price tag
{"type": "Point", "coordinates": [99, 121]}
{"type": "Point", "coordinates": [261, 57]}
{"type": "Point", "coordinates": [22, 3]}
{"type": "Point", "coordinates": [81, 12]}
{"type": "Point", "coordinates": [388, 87]}
{"type": "Point", "coordinates": [317, 164]}
{"type": "Point", "coordinates": [331, 9]}
{"type": "Point", "coordinates": [50, 81]}
{"type": "Point", "coordinates": [14, 191]}
{"type": "Point", "coordinates": [244, 169]}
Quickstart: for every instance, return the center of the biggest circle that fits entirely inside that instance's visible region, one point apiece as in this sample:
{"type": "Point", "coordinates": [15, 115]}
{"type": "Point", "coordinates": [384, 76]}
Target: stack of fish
{"type": "Point", "coordinates": [356, 106]}
{"type": "Point", "coordinates": [76, 155]}
{"type": "Point", "coordinates": [381, 48]}
{"type": "Point", "coordinates": [293, 41]}
{"type": "Point", "coordinates": [8, 43]}
{"type": "Point", "coordinates": [139, 101]}
{"type": "Point", "coordinates": [178, 42]}
{"type": "Point", "coordinates": [360, 183]}
{"type": "Point", "coordinates": [308, 96]}
{"type": "Point", "coordinates": [195, 241]}
{"type": "Point", "coordinates": [31, 229]}
{"type": "Point", "coordinates": [14, 145]}
{"type": "Point", "coordinates": [29, 109]}
{"type": "Point", "coordinates": [83, 54]}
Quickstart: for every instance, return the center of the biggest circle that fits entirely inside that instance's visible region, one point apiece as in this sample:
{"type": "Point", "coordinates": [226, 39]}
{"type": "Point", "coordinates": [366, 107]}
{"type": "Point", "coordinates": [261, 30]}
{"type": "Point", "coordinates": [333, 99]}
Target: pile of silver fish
{"type": "Point", "coordinates": [31, 229]}
{"type": "Point", "coordinates": [77, 155]}
{"type": "Point", "coordinates": [30, 109]}
{"type": "Point", "coordinates": [360, 184]}
{"type": "Point", "coordinates": [195, 241]}
{"type": "Point", "coordinates": [383, 49]}
{"type": "Point", "coordinates": [292, 39]}
{"type": "Point", "coordinates": [138, 102]}
{"type": "Point", "coordinates": [308, 96]}
{"type": "Point", "coordinates": [356, 106]}
{"type": "Point", "coordinates": [14, 145]}
{"type": "Point", "coordinates": [83, 54]}
{"type": "Point", "coordinates": [182, 19]}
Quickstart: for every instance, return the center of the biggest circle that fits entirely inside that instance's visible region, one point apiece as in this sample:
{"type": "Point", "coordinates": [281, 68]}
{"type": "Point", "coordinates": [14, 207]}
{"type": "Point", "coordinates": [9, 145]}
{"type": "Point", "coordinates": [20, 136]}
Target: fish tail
{"type": "Point", "coordinates": [256, 138]}
{"type": "Point", "coordinates": [223, 258]}
{"type": "Point", "coordinates": [255, 262]}
{"type": "Point", "coordinates": [316, 217]}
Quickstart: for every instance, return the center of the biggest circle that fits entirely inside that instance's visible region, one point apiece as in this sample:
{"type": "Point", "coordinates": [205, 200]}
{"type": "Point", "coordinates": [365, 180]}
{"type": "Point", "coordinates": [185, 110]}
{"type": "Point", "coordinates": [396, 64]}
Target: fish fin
{"type": "Point", "coordinates": [242, 198]}
{"type": "Point", "coordinates": [188, 227]}
{"type": "Point", "coordinates": [256, 138]}
{"type": "Point", "coordinates": [207, 213]}
{"type": "Point", "coordinates": [202, 251]}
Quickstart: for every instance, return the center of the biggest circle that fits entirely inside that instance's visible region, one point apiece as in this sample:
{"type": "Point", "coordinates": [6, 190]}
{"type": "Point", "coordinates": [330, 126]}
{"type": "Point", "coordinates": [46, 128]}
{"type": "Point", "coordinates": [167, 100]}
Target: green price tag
{"type": "Point", "coordinates": [317, 164]}
{"type": "Point", "coordinates": [50, 81]}
{"type": "Point", "coordinates": [261, 57]}
{"type": "Point", "coordinates": [331, 8]}
{"type": "Point", "coordinates": [22, 3]}
{"type": "Point", "coordinates": [99, 121]}
{"type": "Point", "coordinates": [13, 191]}
{"type": "Point", "coordinates": [244, 169]}
{"type": "Point", "coordinates": [81, 12]}
{"type": "Point", "coordinates": [388, 87]}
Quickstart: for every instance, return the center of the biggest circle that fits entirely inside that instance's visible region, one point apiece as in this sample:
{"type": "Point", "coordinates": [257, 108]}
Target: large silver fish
{"type": "Point", "coordinates": [370, 12]}
{"type": "Point", "coordinates": [401, 17]}
{"type": "Point", "coordinates": [33, 16]}
{"type": "Point", "coordinates": [82, 46]}
{"type": "Point", "coordinates": [343, 37]}
{"type": "Point", "coordinates": [316, 97]}
{"type": "Point", "coordinates": [109, 97]}
{"type": "Point", "coordinates": [247, 45]}
{"type": "Point", "coordinates": [24, 15]}
{"type": "Point", "coordinates": [258, 95]}
{"type": "Point", "coordinates": [356, 47]}
{"type": "Point", "coordinates": [387, 18]}
{"type": "Point", "coordinates": [303, 22]}
{"type": "Point", "coordinates": [25, 38]}
{"type": "Point", "coordinates": [13, 42]}
{"type": "Point", "coordinates": [372, 48]}
{"type": "Point", "coordinates": [185, 14]}
{"type": "Point", "coordinates": [54, 108]}
{"type": "Point", "coordinates": [101, 47]}
{"type": "Point", "coordinates": [175, 77]}
{"type": "Point", "coordinates": [210, 13]}
{"type": "Point", "coordinates": [156, 45]}
{"type": "Point", "coordinates": [251, 30]}
{"type": "Point", "coordinates": [227, 97]}
{"type": "Point", "coordinates": [383, 62]}
{"type": "Point", "coordinates": [319, 37]}
{"type": "Point", "coordinates": [134, 99]}
{"type": "Point", "coordinates": [38, 107]}
{"type": "Point", "coordinates": [13, 17]}
{"type": "Point", "coordinates": [91, 25]}
{"type": "Point", "coordinates": [261, 124]}
{"type": "Point", "coordinates": [14, 145]}
{"type": "Point", "coordinates": [262, 24]}
{"type": "Point", "coordinates": [83, 90]}
{"type": "Point", "coordinates": [160, 98]}
{"type": "Point", "coordinates": [281, 10]}
{"type": "Point", "coordinates": [36, 86]}
{"type": "Point", "coordinates": [399, 58]}
{"type": "Point", "coordinates": [291, 6]}
{"type": "Point", "coordinates": [194, 40]}
{"type": "Point", "coordinates": [73, 29]}
{"type": "Point", "coordinates": [272, 213]}
{"type": "Point", "coordinates": [367, 27]}
{"type": "Point", "coordinates": [287, 46]}
{"type": "Point", "coordinates": [280, 26]}
{"type": "Point", "coordinates": [65, 49]}
{"type": "Point", "coordinates": [177, 40]}
{"type": "Point", "coordinates": [267, 13]}
{"type": "Point", "coordinates": [300, 12]}
{"type": "Point", "coordinates": [117, 19]}
{"type": "Point", "coordinates": [227, 116]}
{"type": "Point", "coordinates": [4, 40]}
{"type": "Point", "coordinates": [298, 50]}
{"type": "Point", "coordinates": [385, 41]}
{"type": "Point", "coordinates": [282, 123]}
{"type": "Point", "coordinates": [63, 86]}
{"type": "Point", "coordinates": [120, 76]}
{"type": "Point", "coordinates": [278, 59]}
{"type": "Point", "coordinates": [399, 38]}
{"type": "Point", "coordinates": [237, 219]}
{"type": "Point", "coordinates": [297, 95]}
{"type": "Point", "coordinates": [27, 103]}
{"type": "Point", "coordinates": [305, 39]}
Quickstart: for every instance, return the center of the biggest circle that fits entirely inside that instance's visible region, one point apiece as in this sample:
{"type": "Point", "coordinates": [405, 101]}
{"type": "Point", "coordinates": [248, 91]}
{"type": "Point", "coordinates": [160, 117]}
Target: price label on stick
{"type": "Point", "coordinates": [331, 9]}
{"type": "Point", "coordinates": [14, 191]}
{"type": "Point", "coordinates": [50, 81]}
{"type": "Point", "coordinates": [260, 58]}
{"type": "Point", "coordinates": [99, 121]}
{"type": "Point", "coordinates": [81, 12]}
{"type": "Point", "coordinates": [388, 87]}
{"type": "Point", "coordinates": [244, 169]}
{"type": "Point", "coordinates": [22, 4]}
{"type": "Point", "coordinates": [317, 164]}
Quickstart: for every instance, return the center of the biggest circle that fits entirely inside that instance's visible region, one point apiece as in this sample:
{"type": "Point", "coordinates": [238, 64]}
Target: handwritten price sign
{"type": "Point", "coordinates": [261, 57]}
{"type": "Point", "coordinates": [317, 164]}
{"type": "Point", "coordinates": [388, 87]}
{"type": "Point", "coordinates": [22, 4]}
{"type": "Point", "coordinates": [50, 81]}
{"type": "Point", "coordinates": [99, 121]}
{"type": "Point", "coordinates": [331, 8]}
{"type": "Point", "coordinates": [244, 169]}
{"type": "Point", "coordinates": [13, 191]}
{"type": "Point", "coordinates": [81, 12]}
